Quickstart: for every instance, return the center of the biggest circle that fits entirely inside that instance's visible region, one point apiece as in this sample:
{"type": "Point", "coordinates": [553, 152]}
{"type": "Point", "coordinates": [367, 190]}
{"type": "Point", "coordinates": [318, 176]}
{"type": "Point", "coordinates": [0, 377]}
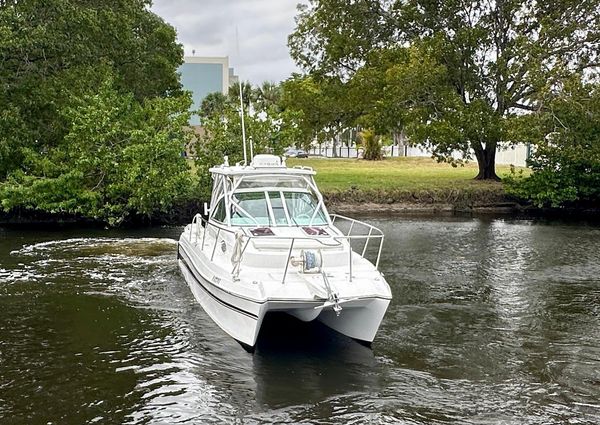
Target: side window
{"type": "Point", "coordinates": [219, 213]}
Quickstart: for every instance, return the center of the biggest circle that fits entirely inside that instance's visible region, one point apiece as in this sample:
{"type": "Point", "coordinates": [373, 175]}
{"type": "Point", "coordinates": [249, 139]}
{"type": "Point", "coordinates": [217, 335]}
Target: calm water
{"type": "Point", "coordinates": [492, 322]}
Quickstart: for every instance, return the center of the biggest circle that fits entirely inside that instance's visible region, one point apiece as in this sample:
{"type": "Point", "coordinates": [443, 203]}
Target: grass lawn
{"type": "Point", "coordinates": [405, 173]}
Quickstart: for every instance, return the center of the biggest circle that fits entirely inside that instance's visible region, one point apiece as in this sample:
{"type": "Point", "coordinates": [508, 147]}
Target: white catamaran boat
{"type": "Point", "coordinates": [270, 245]}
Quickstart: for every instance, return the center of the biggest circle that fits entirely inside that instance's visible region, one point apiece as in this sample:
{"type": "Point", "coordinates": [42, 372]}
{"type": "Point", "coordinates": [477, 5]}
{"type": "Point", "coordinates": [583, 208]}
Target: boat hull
{"type": "Point", "coordinates": [238, 322]}
{"type": "Point", "coordinates": [242, 318]}
{"type": "Point", "coordinates": [239, 304]}
{"type": "Point", "coordinates": [360, 321]}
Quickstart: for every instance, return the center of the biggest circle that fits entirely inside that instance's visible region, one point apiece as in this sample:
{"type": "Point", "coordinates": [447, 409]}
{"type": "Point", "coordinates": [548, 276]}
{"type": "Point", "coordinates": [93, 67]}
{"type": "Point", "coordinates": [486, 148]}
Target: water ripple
{"type": "Point", "coordinates": [493, 322]}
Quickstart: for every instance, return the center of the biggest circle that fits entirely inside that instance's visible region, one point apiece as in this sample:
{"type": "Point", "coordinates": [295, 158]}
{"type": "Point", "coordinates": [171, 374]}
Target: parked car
{"type": "Point", "coordinates": [296, 153]}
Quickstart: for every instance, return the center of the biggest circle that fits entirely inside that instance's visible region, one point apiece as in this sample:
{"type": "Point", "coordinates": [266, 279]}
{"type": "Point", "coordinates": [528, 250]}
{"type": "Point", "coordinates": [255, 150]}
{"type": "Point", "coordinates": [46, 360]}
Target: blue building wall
{"type": "Point", "coordinates": [201, 79]}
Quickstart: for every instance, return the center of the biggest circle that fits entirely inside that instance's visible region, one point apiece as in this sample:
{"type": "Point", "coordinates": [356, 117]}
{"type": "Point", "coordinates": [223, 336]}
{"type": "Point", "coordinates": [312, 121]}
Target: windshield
{"type": "Point", "coordinates": [257, 182]}
{"type": "Point", "coordinates": [276, 208]}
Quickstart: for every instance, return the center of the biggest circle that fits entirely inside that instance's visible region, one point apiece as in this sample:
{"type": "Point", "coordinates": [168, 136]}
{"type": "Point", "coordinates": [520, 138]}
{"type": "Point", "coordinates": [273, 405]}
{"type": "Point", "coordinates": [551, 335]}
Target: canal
{"type": "Point", "coordinates": [493, 321]}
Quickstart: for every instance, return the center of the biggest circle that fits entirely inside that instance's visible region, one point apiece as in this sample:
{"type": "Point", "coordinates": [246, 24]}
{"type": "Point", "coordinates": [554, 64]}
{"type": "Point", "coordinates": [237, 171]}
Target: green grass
{"type": "Point", "coordinates": [407, 173]}
{"type": "Point", "coordinates": [404, 181]}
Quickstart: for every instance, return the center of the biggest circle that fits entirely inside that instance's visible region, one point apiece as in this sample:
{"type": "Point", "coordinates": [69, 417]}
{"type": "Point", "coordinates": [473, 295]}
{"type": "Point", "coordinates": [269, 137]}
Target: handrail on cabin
{"type": "Point", "coordinates": [377, 235]}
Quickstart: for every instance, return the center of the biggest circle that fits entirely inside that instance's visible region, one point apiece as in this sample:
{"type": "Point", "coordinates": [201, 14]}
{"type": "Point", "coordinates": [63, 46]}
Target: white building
{"type": "Point", "coordinates": [205, 75]}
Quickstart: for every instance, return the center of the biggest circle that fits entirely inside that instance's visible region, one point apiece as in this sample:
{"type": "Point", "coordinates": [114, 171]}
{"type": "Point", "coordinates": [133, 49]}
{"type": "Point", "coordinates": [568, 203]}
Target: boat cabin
{"type": "Point", "coordinates": [266, 194]}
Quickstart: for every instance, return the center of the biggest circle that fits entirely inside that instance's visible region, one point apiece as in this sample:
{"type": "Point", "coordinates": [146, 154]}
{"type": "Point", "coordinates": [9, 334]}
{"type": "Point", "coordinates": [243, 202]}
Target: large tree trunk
{"type": "Point", "coordinates": [336, 142]}
{"type": "Point", "coordinates": [486, 159]}
{"type": "Point", "coordinates": [400, 141]}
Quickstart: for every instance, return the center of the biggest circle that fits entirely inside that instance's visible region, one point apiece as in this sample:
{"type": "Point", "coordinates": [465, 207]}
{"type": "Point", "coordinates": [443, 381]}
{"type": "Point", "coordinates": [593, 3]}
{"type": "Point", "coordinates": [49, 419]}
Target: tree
{"type": "Point", "coordinates": [565, 134]}
{"type": "Point", "coordinates": [372, 145]}
{"type": "Point", "coordinates": [248, 94]}
{"type": "Point", "coordinates": [91, 109]}
{"type": "Point", "coordinates": [269, 96]}
{"type": "Point", "coordinates": [495, 56]}
{"type": "Point", "coordinates": [120, 158]}
{"type": "Point", "coordinates": [321, 105]}
{"type": "Point", "coordinates": [269, 128]}
{"type": "Point", "coordinates": [53, 52]}
{"type": "Point", "coordinates": [266, 96]}
{"type": "Point", "coordinates": [212, 104]}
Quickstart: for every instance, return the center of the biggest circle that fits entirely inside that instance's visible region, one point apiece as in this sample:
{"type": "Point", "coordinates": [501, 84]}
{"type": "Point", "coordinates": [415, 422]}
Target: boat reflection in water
{"type": "Point", "coordinates": [298, 363]}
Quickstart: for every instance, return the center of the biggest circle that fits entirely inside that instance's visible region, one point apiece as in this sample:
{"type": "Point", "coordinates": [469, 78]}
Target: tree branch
{"type": "Point", "coordinates": [525, 107]}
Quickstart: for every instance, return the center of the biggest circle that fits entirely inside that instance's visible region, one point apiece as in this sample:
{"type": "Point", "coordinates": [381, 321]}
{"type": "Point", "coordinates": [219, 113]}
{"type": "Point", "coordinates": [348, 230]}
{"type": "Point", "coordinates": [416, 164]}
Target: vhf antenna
{"type": "Point", "coordinates": [237, 41]}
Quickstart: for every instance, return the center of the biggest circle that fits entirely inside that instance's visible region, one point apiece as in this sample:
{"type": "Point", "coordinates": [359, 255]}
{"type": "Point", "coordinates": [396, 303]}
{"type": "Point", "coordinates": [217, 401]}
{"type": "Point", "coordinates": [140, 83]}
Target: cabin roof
{"type": "Point", "coordinates": [262, 164]}
{"type": "Point", "coordinates": [238, 170]}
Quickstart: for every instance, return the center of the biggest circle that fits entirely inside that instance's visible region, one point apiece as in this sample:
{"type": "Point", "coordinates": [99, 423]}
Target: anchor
{"type": "Point", "coordinates": [332, 297]}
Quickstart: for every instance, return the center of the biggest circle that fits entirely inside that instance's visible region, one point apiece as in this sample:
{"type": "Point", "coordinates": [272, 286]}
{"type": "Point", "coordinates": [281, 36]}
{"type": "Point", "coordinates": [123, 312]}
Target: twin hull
{"type": "Point", "coordinates": [241, 316]}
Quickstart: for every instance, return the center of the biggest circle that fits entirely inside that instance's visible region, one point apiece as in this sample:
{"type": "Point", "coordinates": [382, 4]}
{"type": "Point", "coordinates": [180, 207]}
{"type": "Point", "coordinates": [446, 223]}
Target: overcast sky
{"type": "Point", "coordinates": [209, 27]}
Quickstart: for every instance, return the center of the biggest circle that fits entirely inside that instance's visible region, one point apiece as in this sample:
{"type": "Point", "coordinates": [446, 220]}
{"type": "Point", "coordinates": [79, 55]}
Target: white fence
{"type": "Point", "coordinates": [516, 155]}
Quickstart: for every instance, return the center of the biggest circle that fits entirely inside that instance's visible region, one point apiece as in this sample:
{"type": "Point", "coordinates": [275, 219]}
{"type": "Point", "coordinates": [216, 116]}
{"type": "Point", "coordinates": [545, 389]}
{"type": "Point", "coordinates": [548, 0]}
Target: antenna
{"type": "Point", "coordinates": [237, 42]}
{"type": "Point", "coordinates": [242, 117]}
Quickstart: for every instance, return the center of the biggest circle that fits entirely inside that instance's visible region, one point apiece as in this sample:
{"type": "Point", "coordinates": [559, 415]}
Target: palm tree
{"type": "Point", "coordinates": [248, 93]}
{"type": "Point", "coordinates": [269, 95]}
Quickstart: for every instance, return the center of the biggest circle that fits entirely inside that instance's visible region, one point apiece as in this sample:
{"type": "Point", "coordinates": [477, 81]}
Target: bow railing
{"type": "Point", "coordinates": [351, 226]}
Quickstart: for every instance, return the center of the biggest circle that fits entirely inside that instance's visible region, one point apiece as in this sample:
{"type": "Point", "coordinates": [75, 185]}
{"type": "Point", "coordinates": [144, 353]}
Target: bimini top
{"type": "Point", "coordinates": [261, 164]}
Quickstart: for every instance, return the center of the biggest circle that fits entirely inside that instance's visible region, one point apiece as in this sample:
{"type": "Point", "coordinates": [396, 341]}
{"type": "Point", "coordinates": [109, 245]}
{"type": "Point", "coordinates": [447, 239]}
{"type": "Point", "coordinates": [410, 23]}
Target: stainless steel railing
{"type": "Point", "coordinates": [353, 226]}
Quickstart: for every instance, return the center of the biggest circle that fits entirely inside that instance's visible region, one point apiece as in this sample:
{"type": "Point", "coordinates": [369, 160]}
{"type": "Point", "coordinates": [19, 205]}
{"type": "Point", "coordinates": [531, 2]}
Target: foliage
{"type": "Point", "coordinates": [414, 96]}
{"type": "Point", "coordinates": [321, 105]}
{"type": "Point", "coordinates": [565, 159]}
{"type": "Point", "coordinates": [119, 158]}
{"type": "Point", "coordinates": [53, 52]}
{"type": "Point", "coordinates": [91, 109]}
{"type": "Point", "coordinates": [248, 94]}
{"type": "Point", "coordinates": [268, 96]}
{"type": "Point", "coordinates": [212, 104]}
{"type": "Point", "coordinates": [371, 144]}
{"type": "Point", "coordinates": [465, 68]}
{"type": "Point", "coordinates": [269, 128]}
